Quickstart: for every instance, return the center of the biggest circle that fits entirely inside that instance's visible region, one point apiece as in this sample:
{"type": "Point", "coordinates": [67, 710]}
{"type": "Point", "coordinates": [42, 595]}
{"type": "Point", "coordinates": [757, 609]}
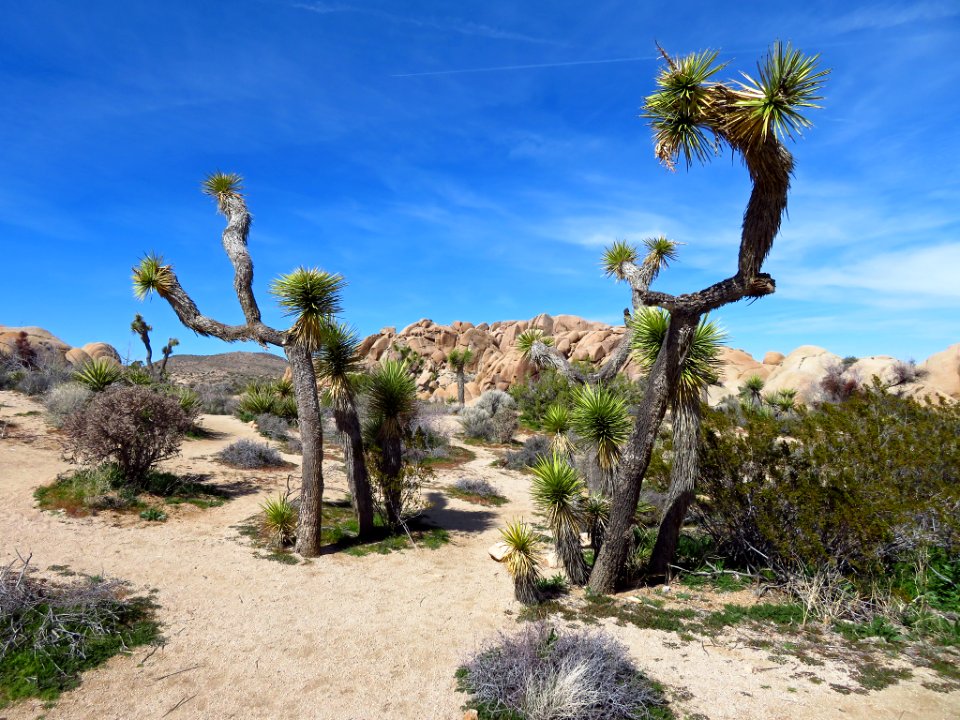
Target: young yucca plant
{"type": "Point", "coordinates": [527, 338]}
{"type": "Point", "coordinates": [522, 561]}
{"type": "Point", "coordinates": [600, 418]}
{"type": "Point", "coordinates": [188, 398]}
{"type": "Point", "coordinates": [596, 509]}
{"type": "Point", "coordinates": [280, 520]}
{"type": "Point", "coordinates": [752, 389]}
{"type": "Point", "coordinates": [257, 400]}
{"type": "Point", "coordinates": [557, 491]}
{"type": "Point", "coordinates": [282, 387]}
{"type": "Point", "coordinates": [98, 374]}
{"type": "Point", "coordinates": [557, 421]}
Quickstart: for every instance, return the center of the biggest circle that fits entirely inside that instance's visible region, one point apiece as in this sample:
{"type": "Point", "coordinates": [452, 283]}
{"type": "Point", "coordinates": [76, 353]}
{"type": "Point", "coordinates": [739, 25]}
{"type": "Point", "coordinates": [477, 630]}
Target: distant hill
{"type": "Point", "coordinates": [235, 368]}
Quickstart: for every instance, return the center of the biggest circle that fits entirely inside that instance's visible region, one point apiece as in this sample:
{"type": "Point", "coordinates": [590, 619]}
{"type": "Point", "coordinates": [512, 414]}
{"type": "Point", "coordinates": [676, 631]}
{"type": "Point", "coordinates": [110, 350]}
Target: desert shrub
{"type": "Point", "coordinates": [853, 488]}
{"type": "Point", "coordinates": [534, 448]}
{"type": "Point", "coordinates": [285, 407]}
{"type": "Point", "coordinates": [153, 514]}
{"type": "Point", "coordinates": [906, 372]}
{"type": "Point", "coordinates": [249, 454]}
{"type": "Point", "coordinates": [492, 417]}
{"type": "Point", "coordinates": [11, 372]}
{"type": "Point", "coordinates": [294, 446]}
{"type": "Point", "coordinates": [48, 372]}
{"type": "Point", "coordinates": [66, 399]}
{"type": "Point", "coordinates": [398, 499]}
{"type": "Point", "coordinates": [273, 427]}
{"type": "Point", "coordinates": [98, 374]}
{"type": "Point", "coordinates": [187, 398]}
{"type": "Point", "coordinates": [838, 384]}
{"type": "Point", "coordinates": [476, 486]}
{"type": "Point", "coordinates": [477, 423]}
{"type": "Point", "coordinates": [538, 674]}
{"type": "Point", "coordinates": [132, 426]}
{"type": "Point", "coordinates": [425, 443]}
{"type": "Point", "coordinates": [136, 374]}
{"type": "Point", "coordinates": [51, 632]}
{"type": "Point", "coordinates": [535, 396]}
{"type": "Point", "coordinates": [216, 398]}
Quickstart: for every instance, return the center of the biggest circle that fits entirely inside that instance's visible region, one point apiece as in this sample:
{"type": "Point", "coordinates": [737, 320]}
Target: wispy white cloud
{"type": "Point", "coordinates": [895, 14]}
{"type": "Point", "coordinates": [533, 66]}
{"type": "Point", "coordinates": [451, 25]}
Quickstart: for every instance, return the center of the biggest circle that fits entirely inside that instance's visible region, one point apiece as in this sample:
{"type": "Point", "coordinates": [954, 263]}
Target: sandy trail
{"type": "Point", "coordinates": [342, 636]}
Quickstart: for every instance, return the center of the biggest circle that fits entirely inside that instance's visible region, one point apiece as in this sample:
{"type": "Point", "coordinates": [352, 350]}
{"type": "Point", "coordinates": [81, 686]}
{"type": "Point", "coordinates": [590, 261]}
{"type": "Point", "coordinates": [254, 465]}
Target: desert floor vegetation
{"type": "Point", "coordinates": [226, 615]}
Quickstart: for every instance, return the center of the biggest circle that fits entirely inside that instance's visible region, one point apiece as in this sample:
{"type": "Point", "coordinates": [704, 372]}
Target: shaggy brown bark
{"type": "Point", "coordinates": [358, 479]}
{"type": "Point", "coordinates": [683, 475]}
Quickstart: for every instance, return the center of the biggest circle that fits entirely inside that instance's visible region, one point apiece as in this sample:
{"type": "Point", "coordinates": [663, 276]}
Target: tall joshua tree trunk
{"type": "Point", "coordinates": [683, 474]}
{"type": "Point", "coordinates": [311, 433]}
{"type": "Point", "coordinates": [461, 382]}
{"type": "Point", "coordinates": [358, 479]}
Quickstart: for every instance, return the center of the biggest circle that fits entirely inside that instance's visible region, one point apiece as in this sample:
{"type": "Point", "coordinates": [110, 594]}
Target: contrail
{"type": "Point", "coordinates": [527, 67]}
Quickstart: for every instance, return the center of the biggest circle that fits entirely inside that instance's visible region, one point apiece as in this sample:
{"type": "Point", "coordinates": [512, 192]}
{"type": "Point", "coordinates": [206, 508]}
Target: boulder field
{"type": "Point", "coordinates": [498, 364]}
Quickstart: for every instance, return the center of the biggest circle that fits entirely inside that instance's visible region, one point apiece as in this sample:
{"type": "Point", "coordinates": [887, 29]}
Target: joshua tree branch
{"type": "Point", "coordinates": [235, 244]}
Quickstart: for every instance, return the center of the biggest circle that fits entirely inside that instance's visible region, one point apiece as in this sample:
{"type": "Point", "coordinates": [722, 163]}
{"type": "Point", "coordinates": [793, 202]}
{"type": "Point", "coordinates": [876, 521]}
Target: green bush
{"type": "Point", "coordinates": [855, 488]}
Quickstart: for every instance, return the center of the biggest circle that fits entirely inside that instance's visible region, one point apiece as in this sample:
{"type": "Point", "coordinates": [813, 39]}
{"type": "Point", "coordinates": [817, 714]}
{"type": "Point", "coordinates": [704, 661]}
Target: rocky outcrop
{"type": "Point", "coordinates": [46, 343]}
{"type": "Point", "coordinates": [498, 364]}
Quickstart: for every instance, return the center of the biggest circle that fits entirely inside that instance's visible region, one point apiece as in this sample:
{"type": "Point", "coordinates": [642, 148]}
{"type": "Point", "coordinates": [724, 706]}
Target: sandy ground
{"type": "Point", "coordinates": [341, 636]}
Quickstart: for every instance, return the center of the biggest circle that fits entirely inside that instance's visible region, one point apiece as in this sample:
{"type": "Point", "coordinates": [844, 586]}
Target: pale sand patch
{"type": "Point", "coordinates": [346, 637]}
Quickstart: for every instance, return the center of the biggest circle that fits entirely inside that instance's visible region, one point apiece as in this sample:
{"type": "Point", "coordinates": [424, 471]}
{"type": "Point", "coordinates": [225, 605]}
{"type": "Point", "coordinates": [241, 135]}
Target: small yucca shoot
{"type": "Point", "coordinates": [280, 520]}
{"type": "Point", "coordinates": [98, 374]}
{"type": "Point", "coordinates": [557, 421]}
{"type": "Point", "coordinates": [557, 491]}
{"type": "Point", "coordinates": [527, 338]}
{"type": "Point", "coordinates": [596, 508]}
{"type": "Point", "coordinates": [522, 561]}
{"type": "Point", "coordinates": [283, 387]}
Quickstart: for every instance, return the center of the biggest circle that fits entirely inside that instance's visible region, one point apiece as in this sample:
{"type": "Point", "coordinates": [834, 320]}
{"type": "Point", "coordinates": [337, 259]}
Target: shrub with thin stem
{"type": "Point", "coordinates": [280, 520]}
{"type": "Point", "coordinates": [600, 418]}
{"type": "Point", "coordinates": [557, 491]}
{"type": "Point", "coordinates": [596, 509]}
{"type": "Point", "coordinates": [98, 374]}
{"type": "Point", "coordinates": [557, 422]}
{"type": "Point", "coordinates": [522, 560]}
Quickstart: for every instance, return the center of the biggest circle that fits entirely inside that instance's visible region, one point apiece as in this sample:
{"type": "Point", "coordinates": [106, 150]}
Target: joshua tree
{"type": "Point", "coordinates": [699, 371]}
{"type": "Point", "coordinates": [393, 396]}
{"type": "Point", "coordinates": [337, 365]}
{"type": "Point", "coordinates": [166, 351]}
{"type": "Point", "coordinates": [139, 327]}
{"type": "Point", "coordinates": [693, 117]}
{"type": "Point", "coordinates": [752, 390]}
{"type": "Point", "coordinates": [558, 492]}
{"type": "Point", "coordinates": [459, 359]}
{"type": "Point", "coordinates": [311, 296]}
{"type": "Point", "coordinates": [521, 561]}
{"type": "Point", "coordinates": [783, 401]}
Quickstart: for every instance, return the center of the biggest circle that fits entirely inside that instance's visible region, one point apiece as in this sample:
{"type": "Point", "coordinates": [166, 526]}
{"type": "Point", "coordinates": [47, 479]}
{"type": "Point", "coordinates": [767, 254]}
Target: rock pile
{"type": "Point", "coordinates": [46, 343]}
{"type": "Point", "coordinates": [498, 364]}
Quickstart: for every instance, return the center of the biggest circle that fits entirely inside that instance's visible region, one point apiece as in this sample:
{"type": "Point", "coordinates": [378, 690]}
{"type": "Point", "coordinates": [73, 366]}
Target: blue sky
{"type": "Point", "coordinates": [466, 161]}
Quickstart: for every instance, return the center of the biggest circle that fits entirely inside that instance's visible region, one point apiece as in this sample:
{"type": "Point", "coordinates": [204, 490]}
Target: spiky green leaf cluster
{"type": "Point", "coordinates": [786, 82]}
{"type": "Point", "coordinates": [615, 256]}
{"type": "Point", "coordinates": [600, 418]}
{"type": "Point", "coordinates": [527, 338]}
{"type": "Point", "coordinates": [522, 558]}
{"type": "Point", "coordinates": [279, 520]}
{"type": "Point", "coordinates": [392, 396]}
{"type": "Point", "coordinates": [139, 325]}
{"type": "Point", "coordinates": [702, 366]}
{"type": "Point", "coordinates": [681, 105]}
{"type": "Point", "coordinates": [98, 374]}
{"type": "Point", "coordinates": [220, 185]}
{"type": "Point", "coordinates": [690, 114]}
{"type": "Point", "coordinates": [556, 419]}
{"type": "Point", "coordinates": [337, 361]}
{"type": "Point", "coordinates": [661, 251]}
{"type": "Point", "coordinates": [459, 359]}
{"type": "Point", "coordinates": [312, 296]}
{"type": "Point", "coordinates": [152, 275]}
{"type": "Point", "coordinates": [557, 490]}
